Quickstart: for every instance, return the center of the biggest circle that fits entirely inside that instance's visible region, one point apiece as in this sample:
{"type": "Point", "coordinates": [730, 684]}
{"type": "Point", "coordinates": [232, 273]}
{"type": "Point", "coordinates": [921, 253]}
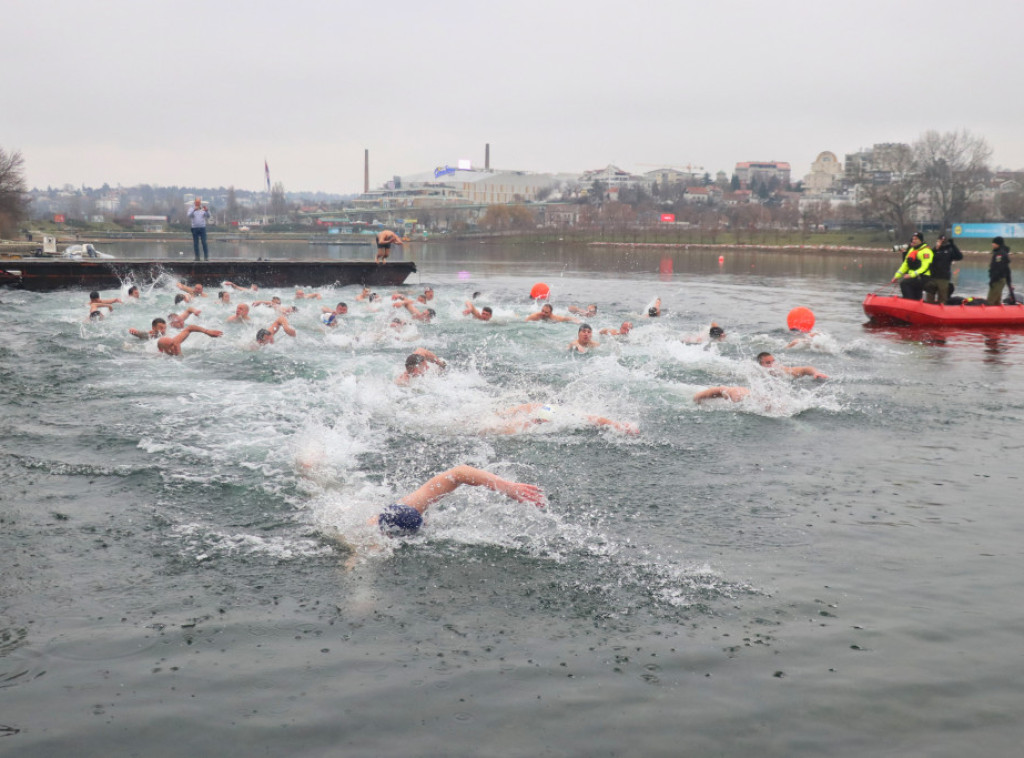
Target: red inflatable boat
{"type": "Point", "coordinates": [896, 311]}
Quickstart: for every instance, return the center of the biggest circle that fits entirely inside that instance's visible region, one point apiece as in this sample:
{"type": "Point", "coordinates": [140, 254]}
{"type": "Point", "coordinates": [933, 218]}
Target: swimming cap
{"type": "Point", "coordinates": [399, 520]}
{"type": "Point", "coordinates": [328, 319]}
{"type": "Point", "coordinates": [546, 413]}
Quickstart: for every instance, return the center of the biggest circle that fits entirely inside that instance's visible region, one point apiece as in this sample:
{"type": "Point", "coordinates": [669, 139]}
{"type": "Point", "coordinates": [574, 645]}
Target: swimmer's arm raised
{"type": "Point", "coordinates": [440, 485]}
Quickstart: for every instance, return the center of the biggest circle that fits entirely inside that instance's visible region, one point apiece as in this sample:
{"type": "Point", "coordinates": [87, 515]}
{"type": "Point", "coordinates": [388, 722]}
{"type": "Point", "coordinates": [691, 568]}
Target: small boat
{"type": "Point", "coordinates": [897, 311]}
{"type": "Point", "coordinates": [80, 252]}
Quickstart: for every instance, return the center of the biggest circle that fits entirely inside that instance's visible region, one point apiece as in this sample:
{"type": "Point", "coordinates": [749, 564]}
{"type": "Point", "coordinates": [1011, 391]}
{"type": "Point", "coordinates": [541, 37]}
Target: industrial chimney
{"type": "Point", "coordinates": [487, 156]}
{"type": "Point", "coordinates": [366, 171]}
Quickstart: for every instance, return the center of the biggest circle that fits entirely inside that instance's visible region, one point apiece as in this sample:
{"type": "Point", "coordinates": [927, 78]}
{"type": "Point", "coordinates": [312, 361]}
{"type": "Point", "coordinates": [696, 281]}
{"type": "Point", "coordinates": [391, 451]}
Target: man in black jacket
{"type": "Point", "coordinates": [939, 286]}
{"type": "Point", "coordinates": [998, 270]}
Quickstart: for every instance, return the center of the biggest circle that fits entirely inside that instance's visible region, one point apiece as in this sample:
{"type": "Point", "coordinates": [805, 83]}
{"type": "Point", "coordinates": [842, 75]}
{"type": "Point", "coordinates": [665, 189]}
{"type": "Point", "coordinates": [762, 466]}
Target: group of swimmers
{"type": "Point", "coordinates": [405, 516]}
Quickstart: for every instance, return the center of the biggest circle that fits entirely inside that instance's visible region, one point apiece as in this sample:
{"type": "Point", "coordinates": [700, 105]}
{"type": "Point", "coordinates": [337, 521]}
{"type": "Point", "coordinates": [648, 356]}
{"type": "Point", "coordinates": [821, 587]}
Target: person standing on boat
{"type": "Point", "coordinates": [940, 286]}
{"type": "Point", "coordinates": [916, 268]}
{"type": "Point", "coordinates": [385, 240]}
{"type": "Point", "coordinates": [998, 270]}
{"type": "Point", "coordinates": [198, 215]}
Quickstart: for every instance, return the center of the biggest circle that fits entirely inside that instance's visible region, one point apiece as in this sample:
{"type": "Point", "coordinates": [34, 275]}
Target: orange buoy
{"type": "Point", "coordinates": [801, 319]}
{"type": "Point", "coordinates": [721, 259]}
{"type": "Point", "coordinates": [540, 291]}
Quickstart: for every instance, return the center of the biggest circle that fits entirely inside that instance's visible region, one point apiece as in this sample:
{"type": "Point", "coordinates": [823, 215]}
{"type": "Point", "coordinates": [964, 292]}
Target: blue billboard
{"type": "Point", "coordinates": [1008, 231]}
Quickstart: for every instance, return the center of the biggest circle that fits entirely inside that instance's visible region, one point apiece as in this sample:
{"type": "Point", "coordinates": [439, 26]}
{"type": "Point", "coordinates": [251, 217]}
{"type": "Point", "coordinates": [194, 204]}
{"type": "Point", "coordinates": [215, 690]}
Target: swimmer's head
{"type": "Point", "coordinates": [159, 325]}
{"type": "Point", "coordinates": [653, 312]}
{"type": "Point", "coordinates": [430, 313]}
{"type": "Point", "coordinates": [415, 363]}
{"type": "Point", "coordinates": [180, 299]}
{"type": "Point", "coordinates": [765, 360]}
{"type": "Point", "coordinates": [94, 295]}
{"type": "Point", "coordinates": [133, 291]}
{"type": "Point", "coordinates": [716, 332]}
{"type": "Point", "coordinates": [223, 296]}
{"type": "Point", "coordinates": [341, 309]}
{"type": "Point", "coordinates": [626, 326]}
{"type": "Point", "coordinates": [546, 309]}
{"type": "Point", "coordinates": [264, 337]}
{"type": "Point", "coordinates": [486, 312]}
{"type": "Point", "coordinates": [399, 521]}
{"type": "Point", "coordinates": [96, 315]}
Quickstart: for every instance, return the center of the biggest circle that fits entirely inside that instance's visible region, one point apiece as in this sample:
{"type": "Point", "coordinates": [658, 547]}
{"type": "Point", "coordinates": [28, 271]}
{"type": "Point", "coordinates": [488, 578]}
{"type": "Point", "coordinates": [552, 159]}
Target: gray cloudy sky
{"type": "Point", "coordinates": [195, 93]}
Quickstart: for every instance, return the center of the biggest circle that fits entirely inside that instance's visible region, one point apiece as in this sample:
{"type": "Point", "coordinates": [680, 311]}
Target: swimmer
{"type": "Point", "coordinates": [172, 345]}
{"type": "Point", "coordinates": [133, 292]}
{"type": "Point", "coordinates": [590, 311]}
{"type": "Point", "coordinates": [715, 334]}
{"type": "Point", "coordinates": [416, 364]}
{"type": "Point", "coordinates": [196, 291]}
{"type": "Point", "coordinates": [177, 320]}
{"type": "Point", "coordinates": [584, 340]}
{"type": "Point", "coordinates": [159, 330]}
{"type": "Point", "coordinates": [428, 294]}
{"type": "Point", "coordinates": [224, 297]}
{"type": "Point", "coordinates": [655, 310]}
{"type": "Point", "coordinates": [417, 314]}
{"type": "Point", "coordinates": [767, 360]}
{"type": "Point", "coordinates": [735, 394]}
{"type": "Point", "coordinates": [364, 295]}
{"type": "Point", "coordinates": [95, 301]}
{"type": "Point", "coordinates": [300, 295]}
{"type": "Point", "coordinates": [239, 288]}
{"type": "Point", "coordinates": [182, 297]}
{"type": "Point", "coordinates": [241, 315]}
{"type": "Point", "coordinates": [622, 331]}
{"type": "Point", "coordinates": [339, 310]}
{"type": "Point", "coordinates": [522, 417]}
{"type": "Point", "coordinates": [547, 313]}
{"type": "Point", "coordinates": [481, 314]}
{"type": "Point", "coordinates": [266, 336]}
{"type": "Point", "coordinates": [405, 517]}
{"type": "Point", "coordinates": [803, 338]}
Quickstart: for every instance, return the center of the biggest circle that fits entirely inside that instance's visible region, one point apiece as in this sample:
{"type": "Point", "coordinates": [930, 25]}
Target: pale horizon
{"type": "Point", "coordinates": [201, 94]}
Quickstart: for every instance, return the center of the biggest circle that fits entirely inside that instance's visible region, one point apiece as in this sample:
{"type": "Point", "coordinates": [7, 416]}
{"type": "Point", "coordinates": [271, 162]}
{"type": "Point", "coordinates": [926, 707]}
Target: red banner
{"type": "Point", "coordinates": [668, 218]}
{"type": "Point", "coordinates": [58, 218]}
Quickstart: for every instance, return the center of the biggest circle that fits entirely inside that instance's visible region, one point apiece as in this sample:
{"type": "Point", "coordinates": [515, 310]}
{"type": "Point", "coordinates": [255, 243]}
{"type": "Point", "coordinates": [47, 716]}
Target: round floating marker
{"type": "Point", "coordinates": [540, 291]}
{"type": "Point", "coordinates": [721, 259]}
{"type": "Point", "coordinates": [801, 319]}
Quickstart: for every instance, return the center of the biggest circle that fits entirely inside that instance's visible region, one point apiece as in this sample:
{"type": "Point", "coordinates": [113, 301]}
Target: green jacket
{"type": "Point", "coordinates": [917, 262]}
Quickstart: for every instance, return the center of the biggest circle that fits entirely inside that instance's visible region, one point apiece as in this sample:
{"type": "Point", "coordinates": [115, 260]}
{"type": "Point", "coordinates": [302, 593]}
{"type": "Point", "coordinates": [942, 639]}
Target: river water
{"type": "Point", "coordinates": [826, 568]}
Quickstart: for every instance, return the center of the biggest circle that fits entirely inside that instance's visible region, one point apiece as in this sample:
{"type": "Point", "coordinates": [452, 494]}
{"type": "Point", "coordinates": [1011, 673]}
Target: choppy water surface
{"type": "Point", "coordinates": [825, 568]}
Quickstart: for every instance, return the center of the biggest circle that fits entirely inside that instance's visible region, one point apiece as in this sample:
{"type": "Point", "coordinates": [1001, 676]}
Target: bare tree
{"type": "Point", "coordinates": [278, 203]}
{"type": "Point", "coordinates": [232, 205]}
{"type": "Point", "coordinates": [897, 201]}
{"type": "Point", "coordinates": [14, 199]}
{"type": "Point", "coordinates": [954, 166]}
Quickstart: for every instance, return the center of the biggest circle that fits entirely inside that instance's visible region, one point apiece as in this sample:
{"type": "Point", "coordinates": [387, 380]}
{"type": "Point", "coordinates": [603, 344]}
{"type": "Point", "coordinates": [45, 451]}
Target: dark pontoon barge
{"type": "Point", "coordinates": [40, 274]}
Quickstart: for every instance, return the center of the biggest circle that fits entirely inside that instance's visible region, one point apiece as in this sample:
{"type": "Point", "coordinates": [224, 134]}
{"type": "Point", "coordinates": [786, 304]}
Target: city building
{"type": "Point", "coordinates": [826, 172]}
{"type": "Point", "coordinates": [751, 173]}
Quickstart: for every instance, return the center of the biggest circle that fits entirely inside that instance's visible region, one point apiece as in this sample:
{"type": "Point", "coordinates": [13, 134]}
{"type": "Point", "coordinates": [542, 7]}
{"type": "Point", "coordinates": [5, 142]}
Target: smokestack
{"type": "Point", "coordinates": [487, 156]}
{"type": "Point", "coordinates": [366, 171]}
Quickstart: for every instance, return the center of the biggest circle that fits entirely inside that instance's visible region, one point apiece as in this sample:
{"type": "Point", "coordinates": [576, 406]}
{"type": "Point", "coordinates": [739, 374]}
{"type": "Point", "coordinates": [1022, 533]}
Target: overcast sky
{"type": "Point", "coordinates": [199, 94]}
